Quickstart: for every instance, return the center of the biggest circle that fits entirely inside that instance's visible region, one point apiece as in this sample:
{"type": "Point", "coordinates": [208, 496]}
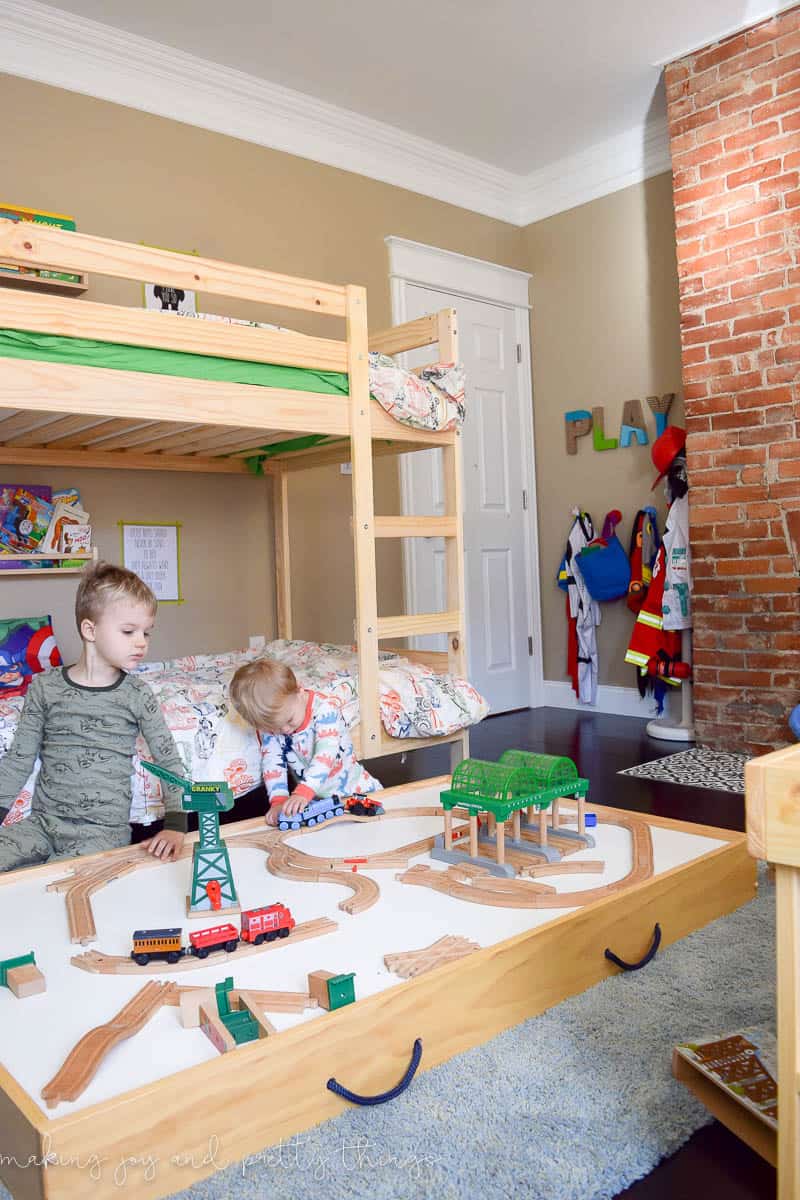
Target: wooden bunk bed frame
{"type": "Point", "coordinates": [68, 415]}
{"type": "Point", "coordinates": [772, 787]}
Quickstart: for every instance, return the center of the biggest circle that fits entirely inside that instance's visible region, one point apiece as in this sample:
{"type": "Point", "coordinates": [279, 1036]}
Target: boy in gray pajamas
{"type": "Point", "coordinates": [82, 722]}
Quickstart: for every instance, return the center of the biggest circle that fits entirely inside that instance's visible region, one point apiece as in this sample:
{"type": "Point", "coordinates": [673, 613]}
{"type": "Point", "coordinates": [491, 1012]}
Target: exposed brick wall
{"type": "Point", "coordinates": [734, 116]}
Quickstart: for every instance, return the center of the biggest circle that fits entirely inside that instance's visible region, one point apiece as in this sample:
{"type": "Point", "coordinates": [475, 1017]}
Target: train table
{"type": "Point", "coordinates": [159, 1106]}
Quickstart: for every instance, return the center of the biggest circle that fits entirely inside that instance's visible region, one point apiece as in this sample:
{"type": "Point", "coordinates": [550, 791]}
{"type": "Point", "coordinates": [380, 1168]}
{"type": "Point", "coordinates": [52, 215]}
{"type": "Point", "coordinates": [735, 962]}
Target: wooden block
{"type": "Point", "coordinates": [190, 1000]}
{"type": "Point", "coordinates": [214, 1030]}
{"type": "Point", "coordinates": [318, 987]}
{"type": "Point", "coordinates": [26, 981]}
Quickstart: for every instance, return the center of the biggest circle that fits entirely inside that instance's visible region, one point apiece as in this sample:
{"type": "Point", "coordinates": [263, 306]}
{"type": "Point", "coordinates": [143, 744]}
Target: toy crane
{"type": "Point", "coordinates": [212, 878]}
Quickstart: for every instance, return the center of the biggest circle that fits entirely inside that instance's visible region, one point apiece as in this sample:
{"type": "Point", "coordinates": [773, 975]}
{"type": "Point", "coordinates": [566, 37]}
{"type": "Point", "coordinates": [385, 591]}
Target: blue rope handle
{"type": "Point", "coordinates": [354, 1098]}
{"type": "Point", "coordinates": [651, 953]}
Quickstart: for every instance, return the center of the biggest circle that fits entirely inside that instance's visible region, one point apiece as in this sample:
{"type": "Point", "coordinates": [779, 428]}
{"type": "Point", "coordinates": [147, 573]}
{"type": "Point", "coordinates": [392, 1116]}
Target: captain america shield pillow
{"type": "Point", "coordinates": [27, 645]}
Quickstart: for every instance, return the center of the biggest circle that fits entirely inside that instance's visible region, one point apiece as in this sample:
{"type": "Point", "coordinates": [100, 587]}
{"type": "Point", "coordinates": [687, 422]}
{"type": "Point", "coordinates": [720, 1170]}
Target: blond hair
{"type": "Point", "coordinates": [103, 584]}
{"type": "Point", "coordinates": [260, 689]}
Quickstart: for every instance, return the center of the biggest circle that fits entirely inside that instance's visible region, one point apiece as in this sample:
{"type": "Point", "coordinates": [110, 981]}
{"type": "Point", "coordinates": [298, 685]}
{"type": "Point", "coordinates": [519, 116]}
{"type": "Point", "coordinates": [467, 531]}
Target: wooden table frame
{"type": "Point", "coordinates": [772, 784]}
{"type": "Point", "coordinates": [366, 1045]}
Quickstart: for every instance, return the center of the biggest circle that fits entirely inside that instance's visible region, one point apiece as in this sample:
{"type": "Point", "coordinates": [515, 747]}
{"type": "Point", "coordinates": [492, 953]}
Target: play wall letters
{"type": "Point", "coordinates": [579, 422]}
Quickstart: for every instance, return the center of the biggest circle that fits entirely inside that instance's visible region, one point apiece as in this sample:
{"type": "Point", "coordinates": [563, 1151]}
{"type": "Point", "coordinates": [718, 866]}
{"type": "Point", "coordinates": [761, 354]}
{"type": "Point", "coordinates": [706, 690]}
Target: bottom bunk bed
{"type": "Point", "coordinates": [215, 744]}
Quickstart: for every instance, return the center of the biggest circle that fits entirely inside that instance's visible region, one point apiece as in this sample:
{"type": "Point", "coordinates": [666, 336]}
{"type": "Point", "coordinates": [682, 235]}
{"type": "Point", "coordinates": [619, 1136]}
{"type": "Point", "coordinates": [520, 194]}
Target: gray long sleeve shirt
{"type": "Point", "coordinates": [85, 738]}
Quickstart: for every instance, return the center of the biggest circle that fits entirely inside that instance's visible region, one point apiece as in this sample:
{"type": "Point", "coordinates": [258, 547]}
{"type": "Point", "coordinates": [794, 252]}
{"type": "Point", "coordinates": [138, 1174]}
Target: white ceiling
{"type": "Point", "coordinates": [517, 86]}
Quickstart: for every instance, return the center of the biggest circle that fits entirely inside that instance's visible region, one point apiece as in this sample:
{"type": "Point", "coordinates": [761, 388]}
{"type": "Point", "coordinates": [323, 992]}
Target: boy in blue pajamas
{"type": "Point", "coordinates": [301, 730]}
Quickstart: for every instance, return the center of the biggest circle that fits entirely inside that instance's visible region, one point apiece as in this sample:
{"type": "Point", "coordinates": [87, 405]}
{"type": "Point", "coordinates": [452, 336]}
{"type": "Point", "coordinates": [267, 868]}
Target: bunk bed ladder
{"type": "Point", "coordinates": [370, 628]}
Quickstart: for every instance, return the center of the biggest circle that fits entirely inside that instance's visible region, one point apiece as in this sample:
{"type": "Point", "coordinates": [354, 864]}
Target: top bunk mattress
{"type": "Point", "coordinates": [214, 742]}
{"type": "Point", "coordinates": [432, 399]}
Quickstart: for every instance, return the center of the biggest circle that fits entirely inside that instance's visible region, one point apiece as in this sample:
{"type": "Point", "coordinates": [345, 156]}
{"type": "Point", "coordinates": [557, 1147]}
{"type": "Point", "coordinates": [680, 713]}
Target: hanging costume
{"type": "Point", "coordinates": [645, 541]}
{"type": "Point", "coordinates": [677, 600]}
{"type": "Point", "coordinates": [583, 613]}
{"type": "Point", "coordinates": [649, 639]}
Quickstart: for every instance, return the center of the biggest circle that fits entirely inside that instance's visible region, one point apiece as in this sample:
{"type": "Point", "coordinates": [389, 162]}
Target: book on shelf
{"type": "Point", "coordinates": [63, 516]}
{"type": "Point", "coordinates": [38, 216]}
{"type": "Point", "coordinates": [25, 522]}
{"type": "Point", "coordinates": [744, 1065]}
{"type": "Point", "coordinates": [7, 493]}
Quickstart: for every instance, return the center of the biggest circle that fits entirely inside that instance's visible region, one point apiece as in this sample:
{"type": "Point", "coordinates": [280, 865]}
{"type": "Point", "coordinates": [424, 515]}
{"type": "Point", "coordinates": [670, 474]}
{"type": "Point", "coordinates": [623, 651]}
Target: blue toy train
{"type": "Point", "coordinates": [323, 808]}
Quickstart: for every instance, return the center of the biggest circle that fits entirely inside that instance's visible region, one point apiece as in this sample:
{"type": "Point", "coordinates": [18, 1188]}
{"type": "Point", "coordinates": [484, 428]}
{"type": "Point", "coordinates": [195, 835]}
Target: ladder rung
{"type": "Point", "coordinates": [418, 624]}
{"type": "Point", "coordinates": [397, 527]}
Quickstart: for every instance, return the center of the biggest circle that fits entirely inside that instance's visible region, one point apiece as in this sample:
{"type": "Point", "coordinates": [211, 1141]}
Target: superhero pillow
{"type": "Point", "coordinates": [27, 645]}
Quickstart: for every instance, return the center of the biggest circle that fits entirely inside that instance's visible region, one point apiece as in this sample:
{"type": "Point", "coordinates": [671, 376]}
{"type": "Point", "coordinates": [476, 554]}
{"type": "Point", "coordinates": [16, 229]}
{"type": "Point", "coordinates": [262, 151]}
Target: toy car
{"type": "Point", "coordinates": [266, 924]}
{"type": "Point", "coordinates": [363, 806]}
{"type": "Point", "coordinates": [219, 937]}
{"type": "Point", "coordinates": [156, 943]}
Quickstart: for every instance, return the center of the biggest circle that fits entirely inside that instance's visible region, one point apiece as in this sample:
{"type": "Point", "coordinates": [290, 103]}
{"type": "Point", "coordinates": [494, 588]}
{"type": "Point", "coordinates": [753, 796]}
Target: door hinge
{"type": "Point", "coordinates": [524, 498]}
{"type": "Point", "coordinates": [519, 352]}
{"type": "Point", "coordinates": [530, 647]}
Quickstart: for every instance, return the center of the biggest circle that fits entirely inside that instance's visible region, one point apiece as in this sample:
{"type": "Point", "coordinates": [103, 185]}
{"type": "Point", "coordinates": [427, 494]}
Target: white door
{"type": "Point", "coordinates": [496, 494]}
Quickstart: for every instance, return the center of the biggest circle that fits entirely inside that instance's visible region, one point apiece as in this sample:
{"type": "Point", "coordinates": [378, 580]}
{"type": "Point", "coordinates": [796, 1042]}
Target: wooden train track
{"type": "Point", "coordinates": [270, 1001]}
{"type": "Point", "coordinates": [480, 888]}
{"type": "Point", "coordinates": [283, 862]}
{"type": "Point", "coordinates": [82, 1062]}
{"type": "Point", "coordinates": [99, 963]}
{"type": "Point", "coordinates": [86, 879]}
{"type": "Point", "coordinates": [415, 962]}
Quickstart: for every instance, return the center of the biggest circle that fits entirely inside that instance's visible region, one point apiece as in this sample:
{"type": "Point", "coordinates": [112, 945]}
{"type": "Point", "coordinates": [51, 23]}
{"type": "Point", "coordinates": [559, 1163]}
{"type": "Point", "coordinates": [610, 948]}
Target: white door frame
{"type": "Point", "coordinates": [474, 279]}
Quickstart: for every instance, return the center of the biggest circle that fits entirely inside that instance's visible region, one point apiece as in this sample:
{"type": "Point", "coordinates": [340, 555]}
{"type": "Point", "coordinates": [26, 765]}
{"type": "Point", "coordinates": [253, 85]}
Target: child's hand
{"type": "Point", "coordinates": [166, 845]}
{"type": "Point", "coordinates": [273, 814]}
{"type": "Point", "coordinates": [295, 804]}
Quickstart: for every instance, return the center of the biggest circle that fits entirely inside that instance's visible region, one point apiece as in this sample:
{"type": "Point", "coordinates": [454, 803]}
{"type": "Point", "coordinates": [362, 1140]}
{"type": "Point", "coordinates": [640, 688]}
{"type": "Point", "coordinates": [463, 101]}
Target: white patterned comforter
{"type": "Point", "coordinates": [215, 744]}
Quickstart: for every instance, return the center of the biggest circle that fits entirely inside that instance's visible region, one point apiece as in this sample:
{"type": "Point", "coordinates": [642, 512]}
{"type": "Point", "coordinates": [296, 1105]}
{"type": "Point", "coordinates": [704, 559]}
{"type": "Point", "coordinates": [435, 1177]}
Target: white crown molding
{"type": "Point", "coordinates": [54, 47]}
{"type": "Point", "coordinates": [604, 168]}
{"type": "Point", "coordinates": [415, 262]}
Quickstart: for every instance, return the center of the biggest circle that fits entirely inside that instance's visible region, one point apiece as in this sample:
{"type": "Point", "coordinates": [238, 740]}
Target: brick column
{"type": "Point", "coordinates": [734, 119]}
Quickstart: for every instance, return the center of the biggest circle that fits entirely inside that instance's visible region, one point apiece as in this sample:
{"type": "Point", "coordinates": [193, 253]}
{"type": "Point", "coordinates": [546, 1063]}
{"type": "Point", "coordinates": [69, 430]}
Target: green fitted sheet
{"type": "Point", "coordinates": [87, 352]}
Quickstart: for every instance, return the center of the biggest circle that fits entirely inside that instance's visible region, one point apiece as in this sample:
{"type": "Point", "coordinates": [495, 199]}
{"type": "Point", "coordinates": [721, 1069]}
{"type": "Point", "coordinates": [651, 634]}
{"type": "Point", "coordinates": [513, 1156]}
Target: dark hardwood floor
{"type": "Point", "coordinates": [713, 1163]}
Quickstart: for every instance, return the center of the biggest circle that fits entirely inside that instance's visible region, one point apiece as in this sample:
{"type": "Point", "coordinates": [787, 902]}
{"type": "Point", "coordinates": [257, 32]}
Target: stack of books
{"type": "Point", "coordinates": [35, 520]}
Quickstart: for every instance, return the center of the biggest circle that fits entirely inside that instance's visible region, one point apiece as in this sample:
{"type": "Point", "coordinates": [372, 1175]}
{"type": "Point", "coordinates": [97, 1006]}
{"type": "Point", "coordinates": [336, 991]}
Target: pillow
{"type": "Point", "coordinates": [27, 645]}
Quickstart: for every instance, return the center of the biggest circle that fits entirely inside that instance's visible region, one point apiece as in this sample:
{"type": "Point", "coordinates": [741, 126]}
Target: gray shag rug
{"type": "Point", "coordinates": [575, 1104]}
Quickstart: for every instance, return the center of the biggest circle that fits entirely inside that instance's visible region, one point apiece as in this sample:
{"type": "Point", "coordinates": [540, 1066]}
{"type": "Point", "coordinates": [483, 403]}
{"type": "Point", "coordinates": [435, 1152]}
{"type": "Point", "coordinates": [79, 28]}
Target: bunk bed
{"type": "Point", "coordinates": [229, 398]}
{"type": "Point", "coordinates": [772, 789]}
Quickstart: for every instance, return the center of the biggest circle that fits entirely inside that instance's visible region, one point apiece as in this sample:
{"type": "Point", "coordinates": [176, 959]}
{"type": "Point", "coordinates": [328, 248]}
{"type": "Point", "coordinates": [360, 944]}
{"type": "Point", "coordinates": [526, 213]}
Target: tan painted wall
{"type": "Point", "coordinates": [605, 330]}
{"type": "Point", "coordinates": [604, 326]}
{"type": "Point", "coordinates": [128, 175]}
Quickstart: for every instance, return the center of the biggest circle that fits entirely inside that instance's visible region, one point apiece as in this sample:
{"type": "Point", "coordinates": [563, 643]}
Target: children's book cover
{"type": "Point", "coordinates": [8, 491]}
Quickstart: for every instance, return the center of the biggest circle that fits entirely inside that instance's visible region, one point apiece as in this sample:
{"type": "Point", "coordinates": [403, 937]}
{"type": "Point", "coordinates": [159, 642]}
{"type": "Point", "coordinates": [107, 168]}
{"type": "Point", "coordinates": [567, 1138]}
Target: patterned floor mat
{"type": "Point", "coordinates": [696, 768]}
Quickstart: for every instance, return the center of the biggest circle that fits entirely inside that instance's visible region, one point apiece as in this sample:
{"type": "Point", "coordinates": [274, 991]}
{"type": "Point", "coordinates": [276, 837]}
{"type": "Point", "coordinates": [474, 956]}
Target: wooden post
{"type": "Point", "coordinates": [515, 825]}
{"type": "Point", "coordinates": [448, 829]}
{"type": "Point", "coordinates": [501, 842]}
{"type": "Point", "coordinates": [363, 519]}
{"type": "Point", "coordinates": [543, 826]}
{"type": "Point", "coordinates": [283, 572]}
{"type": "Point", "coordinates": [454, 546]}
{"type": "Point", "coordinates": [473, 836]}
{"type": "Point", "coordinates": [581, 814]}
{"type": "Point", "coordinates": [787, 916]}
